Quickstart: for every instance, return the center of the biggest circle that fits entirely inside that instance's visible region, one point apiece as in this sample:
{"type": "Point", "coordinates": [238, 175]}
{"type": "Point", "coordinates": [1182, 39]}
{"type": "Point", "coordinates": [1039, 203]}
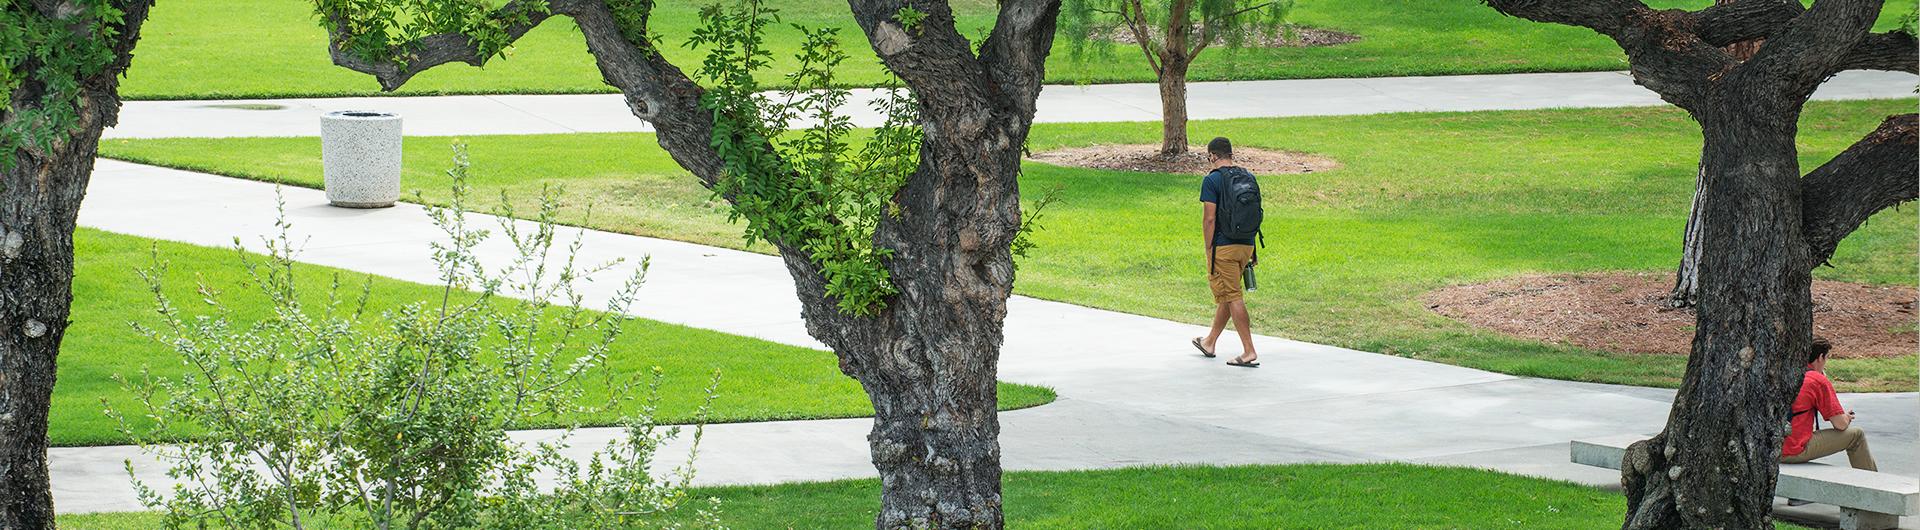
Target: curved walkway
{"type": "Point", "coordinates": [469, 115]}
{"type": "Point", "coordinates": [1131, 390]}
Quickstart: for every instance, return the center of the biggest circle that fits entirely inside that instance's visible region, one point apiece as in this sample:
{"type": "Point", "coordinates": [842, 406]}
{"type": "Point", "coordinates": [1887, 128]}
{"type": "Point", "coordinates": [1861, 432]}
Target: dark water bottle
{"type": "Point", "coordinates": [1246, 278]}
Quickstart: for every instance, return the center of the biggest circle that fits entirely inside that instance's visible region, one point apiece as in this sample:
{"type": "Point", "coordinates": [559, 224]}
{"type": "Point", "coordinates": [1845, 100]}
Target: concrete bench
{"type": "Point", "coordinates": [1867, 500]}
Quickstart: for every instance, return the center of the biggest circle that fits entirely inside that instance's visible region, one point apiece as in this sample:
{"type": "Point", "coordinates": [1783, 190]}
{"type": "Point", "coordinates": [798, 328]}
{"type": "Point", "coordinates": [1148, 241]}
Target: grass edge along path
{"type": "Point", "coordinates": [760, 380]}
{"type": "Point", "coordinates": [1297, 496]}
{"type": "Point", "coordinates": [1422, 201]}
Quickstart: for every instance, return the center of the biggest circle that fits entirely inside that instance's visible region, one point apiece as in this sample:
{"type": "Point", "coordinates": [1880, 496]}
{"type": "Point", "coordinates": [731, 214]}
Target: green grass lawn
{"type": "Point", "coordinates": [206, 49]}
{"type": "Point", "coordinates": [1313, 496]}
{"type": "Point", "coordinates": [760, 380]}
{"type": "Point", "coordinates": [1421, 201]}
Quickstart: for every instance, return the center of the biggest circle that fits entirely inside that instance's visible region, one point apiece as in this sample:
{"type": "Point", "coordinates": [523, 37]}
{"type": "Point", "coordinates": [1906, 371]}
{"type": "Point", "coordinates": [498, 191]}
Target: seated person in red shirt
{"type": "Point", "coordinates": [1817, 397]}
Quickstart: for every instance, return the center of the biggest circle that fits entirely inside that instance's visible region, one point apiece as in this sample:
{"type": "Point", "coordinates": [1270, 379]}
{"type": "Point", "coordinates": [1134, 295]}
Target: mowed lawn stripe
{"type": "Point", "coordinates": [759, 381]}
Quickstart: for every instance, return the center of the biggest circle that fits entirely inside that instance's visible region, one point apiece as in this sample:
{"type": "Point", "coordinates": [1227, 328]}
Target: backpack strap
{"type": "Point", "coordinates": [1797, 413]}
{"type": "Point", "coordinates": [1219, 192]}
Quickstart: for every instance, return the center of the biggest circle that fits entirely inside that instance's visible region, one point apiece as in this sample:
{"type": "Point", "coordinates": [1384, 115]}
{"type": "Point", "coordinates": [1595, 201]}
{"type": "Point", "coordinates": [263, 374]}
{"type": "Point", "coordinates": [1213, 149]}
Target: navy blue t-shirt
{"type": "Point", "coordinates": [1210, 188]}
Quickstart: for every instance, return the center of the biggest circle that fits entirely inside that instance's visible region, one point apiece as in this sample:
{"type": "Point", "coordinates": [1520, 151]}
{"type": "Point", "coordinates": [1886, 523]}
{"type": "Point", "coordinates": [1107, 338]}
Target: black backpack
{"type": "Point", "coordinates": [1240, 213]}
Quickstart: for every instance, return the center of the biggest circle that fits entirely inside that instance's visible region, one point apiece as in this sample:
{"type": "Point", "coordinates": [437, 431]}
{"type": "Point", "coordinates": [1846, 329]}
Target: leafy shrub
{"type": "Point", "coordinates": [323, 415]}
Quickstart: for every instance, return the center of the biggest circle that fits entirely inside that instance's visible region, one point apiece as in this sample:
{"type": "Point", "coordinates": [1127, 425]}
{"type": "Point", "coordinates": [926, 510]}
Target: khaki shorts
{"type": "Point", "coordinates": [1228, 263]}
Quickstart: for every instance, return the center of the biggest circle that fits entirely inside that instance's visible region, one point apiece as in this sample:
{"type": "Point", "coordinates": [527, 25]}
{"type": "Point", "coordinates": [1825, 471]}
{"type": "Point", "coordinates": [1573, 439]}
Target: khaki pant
{"type": "Point", "coordinates": [1830, 441]}
{"type": "Point", "coordinates": [1228, 262]}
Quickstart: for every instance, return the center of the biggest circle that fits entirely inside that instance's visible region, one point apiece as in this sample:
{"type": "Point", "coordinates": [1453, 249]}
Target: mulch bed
{"type": "Point", "coordinates": [1147, 158]}
{"type": "Point", "coordinates": [1293, 36]}
{"type": "Point", "coordinates": [1626, 312]}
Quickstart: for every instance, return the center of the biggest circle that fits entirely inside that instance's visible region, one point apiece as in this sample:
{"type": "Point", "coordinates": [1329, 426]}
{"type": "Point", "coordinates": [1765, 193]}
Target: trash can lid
{"type": "Point", "coordinates": [360, 115]}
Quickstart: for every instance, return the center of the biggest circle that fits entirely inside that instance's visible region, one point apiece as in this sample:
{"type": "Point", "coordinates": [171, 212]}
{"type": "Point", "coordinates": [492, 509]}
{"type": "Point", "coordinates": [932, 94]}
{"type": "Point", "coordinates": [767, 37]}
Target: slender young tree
{"type": "Point", "coordinates": [1763, 226]}
{"type": "Point", "coordinates": [1172, 33]}
{"type": "Point", "coordinates": [924, 337]}
{"type": "Point", "coordinates": [60, 65]}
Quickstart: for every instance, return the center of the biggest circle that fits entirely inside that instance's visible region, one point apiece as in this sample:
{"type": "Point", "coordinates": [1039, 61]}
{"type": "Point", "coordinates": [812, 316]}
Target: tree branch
{"type": "Point", "coordinates": [1662, 50]}
{"type": "Point", "coordinates": [394, 66]}
{"type": "Point", "coordinates": [1206, 28]}
{"type": "Point", "coordinates": [1137, 23]}
{"type": "Point", "coordinates": [655, 89]}
{"type": "Point", "coordinates": [1745, 20]}
{"type": "Point", "coordinates": [1798, 57]}
{"type": "Point", "coordinates": [659, 92]}
{"type": "Point", "coordinates": [1895, 51]}
{"type": "Point", "coordinates": [1015, 54]}
{"type": "Point", "coordinates": [1609, 17]}
{"type": "Point", "coordinates": [932, 58]}
{"type": "Point", "coordinates": [1874, 174]}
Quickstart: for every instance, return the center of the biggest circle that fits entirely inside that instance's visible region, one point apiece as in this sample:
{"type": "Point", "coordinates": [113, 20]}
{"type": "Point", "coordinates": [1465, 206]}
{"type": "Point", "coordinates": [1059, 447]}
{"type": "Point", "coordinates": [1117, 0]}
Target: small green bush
{"type": "Point", "coordinates": [323, 415]}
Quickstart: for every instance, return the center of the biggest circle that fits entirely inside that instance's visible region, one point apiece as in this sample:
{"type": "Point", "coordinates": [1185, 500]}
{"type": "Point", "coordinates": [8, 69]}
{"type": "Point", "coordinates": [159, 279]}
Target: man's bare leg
{"type": "Point", "coordinates": [1220, 315]}
{"type": "Point", "coordinates": [1244, 327]}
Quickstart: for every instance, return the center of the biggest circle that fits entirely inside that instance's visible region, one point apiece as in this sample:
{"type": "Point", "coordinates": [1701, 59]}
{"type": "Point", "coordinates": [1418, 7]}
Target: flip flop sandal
{"type": "Point", "coordinates": [1203, 349]}
{"type": "Point", "coordinates": [1243, 364]}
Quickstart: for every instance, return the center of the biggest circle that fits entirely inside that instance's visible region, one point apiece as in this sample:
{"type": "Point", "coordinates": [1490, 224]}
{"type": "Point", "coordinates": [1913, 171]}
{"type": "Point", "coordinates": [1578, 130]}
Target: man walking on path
{"type": "Point", "coordinates": [1229, 223]}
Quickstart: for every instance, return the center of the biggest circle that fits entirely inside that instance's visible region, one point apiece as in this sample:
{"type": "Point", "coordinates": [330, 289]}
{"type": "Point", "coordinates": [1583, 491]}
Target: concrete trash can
{"type": "Point", "coordinates": [360, 151]}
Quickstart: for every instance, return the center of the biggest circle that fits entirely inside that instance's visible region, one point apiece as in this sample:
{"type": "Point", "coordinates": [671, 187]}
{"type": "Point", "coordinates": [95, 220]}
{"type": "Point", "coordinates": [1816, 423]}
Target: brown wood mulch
{"type": "Point", "coordinates": [1147, 158]}
{"type": "Point", "coordinates": [1626, 312]}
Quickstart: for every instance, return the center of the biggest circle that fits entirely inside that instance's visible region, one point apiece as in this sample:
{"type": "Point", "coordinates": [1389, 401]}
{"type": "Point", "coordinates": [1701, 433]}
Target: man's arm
{"type": "Point", "coordinates": [1841, 421]}
{"type": "Point", "coordinates": [1830, 408]}
{"type": "Point", "coordinates": [1206, 227]}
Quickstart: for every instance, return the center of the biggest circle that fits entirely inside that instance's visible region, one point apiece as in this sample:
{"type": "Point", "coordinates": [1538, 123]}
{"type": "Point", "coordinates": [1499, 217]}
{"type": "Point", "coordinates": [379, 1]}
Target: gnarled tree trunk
{"type": "Point", "coordinates": [935, 438]}
{"type": "Point", "coordinates": [37, 212]}
{"type": "Point", "coordinates": [1686, 280]}
{"type": "Point", "coordinates": [929, 359]}
{"type": "Point", "coordinates": [1761, 227]}
{"type": "Point", "coordinates": [1754, 324]}
{"type": "Point", "coordinates": [931, 373]}
{"type": "Point", "coordinates": [39, 202]}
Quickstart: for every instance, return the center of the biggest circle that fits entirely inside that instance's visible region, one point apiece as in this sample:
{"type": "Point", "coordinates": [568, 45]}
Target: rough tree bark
{"type": "Point", "coordinates": [1745, 49]}
{"type": "Point", "coordinates": [1762, 227]}
{"type": "Point", "coordinates": [39, 201]}
{"type": "Point", "coordinates": [1686, 279]}
{"type": "Point", "coordinates": [1173, 106]}
{"type": "Point", "coordinates": [929, 359]}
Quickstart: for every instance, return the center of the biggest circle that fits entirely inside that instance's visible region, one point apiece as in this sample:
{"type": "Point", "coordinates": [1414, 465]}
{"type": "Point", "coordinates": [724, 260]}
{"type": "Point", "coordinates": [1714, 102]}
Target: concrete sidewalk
{"type": "Point", "coordinates": [470, 115]}
{"type": "Point", "coordinates": [1132, 392]}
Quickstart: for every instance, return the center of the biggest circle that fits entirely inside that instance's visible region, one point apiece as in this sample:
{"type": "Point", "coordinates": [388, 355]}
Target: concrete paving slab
{"type": "Point", "coordinates": [1544, 461]}
{"type": "Point", "coordinates": [1436, 422]}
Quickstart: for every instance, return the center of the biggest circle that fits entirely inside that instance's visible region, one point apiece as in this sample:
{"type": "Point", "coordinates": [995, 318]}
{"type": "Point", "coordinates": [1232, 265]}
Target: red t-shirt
{"type": "Point", "coordinates": [1816, 396]}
